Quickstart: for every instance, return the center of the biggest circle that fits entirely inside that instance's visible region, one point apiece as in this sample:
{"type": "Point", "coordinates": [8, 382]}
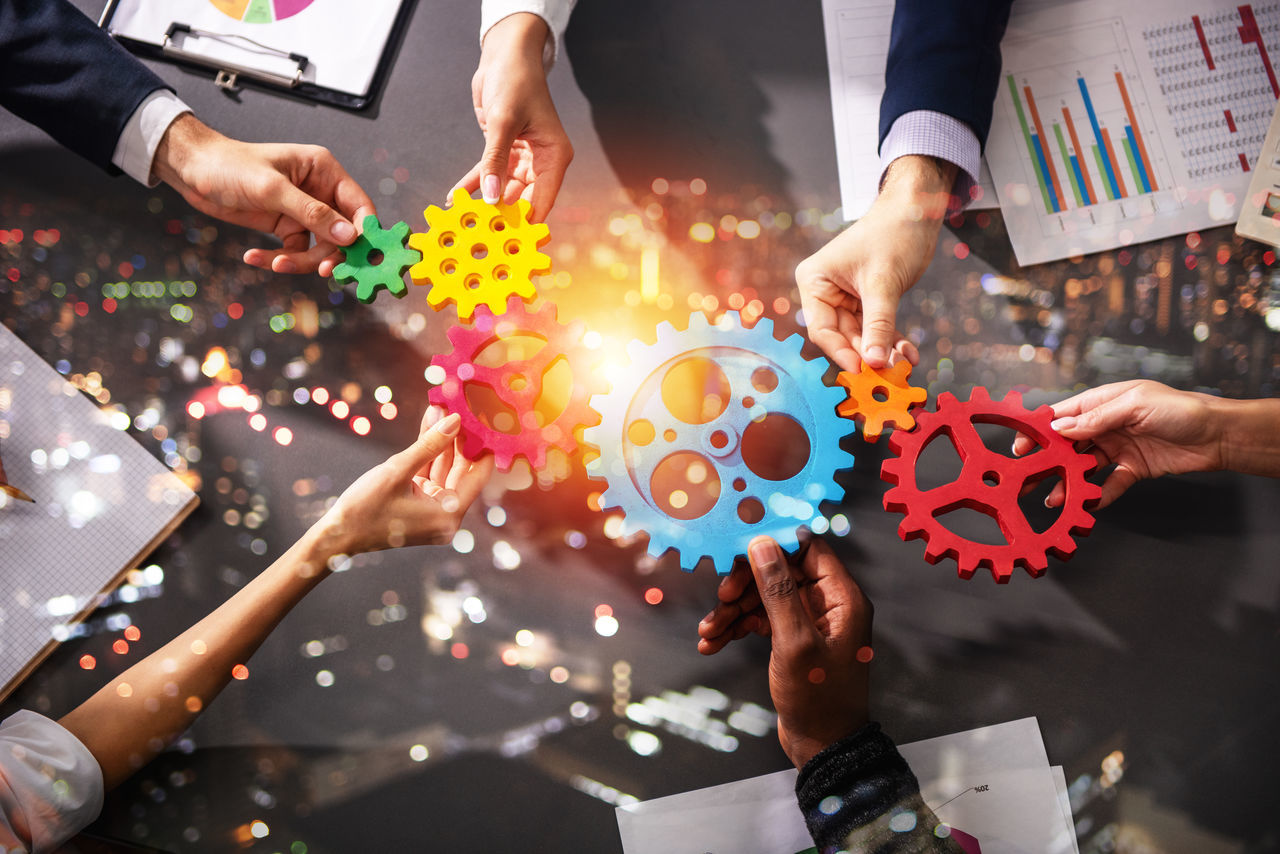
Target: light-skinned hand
{"type": "Point", "coordinates": [820, 626]}
{"type": "Point", "coordinates": [291, 191]}
{"type": "Point", "coordinates": [417, 497]}
{"type": "Point", "coordinates": [851, 287]}
{"type": "Point", "coordinates": [526, 149]}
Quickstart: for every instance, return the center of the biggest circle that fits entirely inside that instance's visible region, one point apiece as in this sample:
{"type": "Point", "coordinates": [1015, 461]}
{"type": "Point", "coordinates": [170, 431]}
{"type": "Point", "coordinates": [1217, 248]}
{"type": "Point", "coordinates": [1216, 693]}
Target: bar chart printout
{"type": "Point", "coordinates": [1075, 152]}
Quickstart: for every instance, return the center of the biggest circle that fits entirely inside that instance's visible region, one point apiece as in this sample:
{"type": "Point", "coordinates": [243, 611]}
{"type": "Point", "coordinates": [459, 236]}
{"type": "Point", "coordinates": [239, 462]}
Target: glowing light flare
{"type": "Point", "coordinates": [283, 435]}
{"type": "Point", "coordinates": [361, 426]}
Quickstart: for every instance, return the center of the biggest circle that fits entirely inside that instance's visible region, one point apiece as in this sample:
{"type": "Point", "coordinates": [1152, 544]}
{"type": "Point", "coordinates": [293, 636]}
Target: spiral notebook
{"type": "Point", "coordinates": [101, 504]}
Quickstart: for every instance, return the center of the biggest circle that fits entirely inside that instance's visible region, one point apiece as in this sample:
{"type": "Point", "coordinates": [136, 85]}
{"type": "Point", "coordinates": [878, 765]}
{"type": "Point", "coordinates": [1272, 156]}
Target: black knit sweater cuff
{"type": "Point", "coordinates": [852, 783]}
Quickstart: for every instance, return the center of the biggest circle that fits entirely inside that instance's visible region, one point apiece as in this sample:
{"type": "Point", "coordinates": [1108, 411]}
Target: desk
{"type": "Point", "coordinates": [1158, 639]}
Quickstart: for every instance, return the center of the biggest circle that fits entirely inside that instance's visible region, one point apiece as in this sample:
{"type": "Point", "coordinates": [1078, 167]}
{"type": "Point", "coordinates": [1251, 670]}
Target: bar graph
{"type": "Point", "coordinates": [1124, 166]}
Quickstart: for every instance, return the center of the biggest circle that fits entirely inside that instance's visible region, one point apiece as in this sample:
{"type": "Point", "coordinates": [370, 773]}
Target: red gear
{"type": "Point", "coordinates": [518, 384]}
{"type": "Point", "coordinates": [974, 487]}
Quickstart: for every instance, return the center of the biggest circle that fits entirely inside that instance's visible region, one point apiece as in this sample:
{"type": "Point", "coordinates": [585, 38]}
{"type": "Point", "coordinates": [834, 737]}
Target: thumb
{"type": "Point", "coordinates": [314, 215]}
{"type": "Point", "coordinates": [779, 592]}
{"type": "Point", "coordinates": [431, 443]}
{"type": "Point", "coordinates": [879, 312]}
{"type": "Point", "coordinates": [498, 137]}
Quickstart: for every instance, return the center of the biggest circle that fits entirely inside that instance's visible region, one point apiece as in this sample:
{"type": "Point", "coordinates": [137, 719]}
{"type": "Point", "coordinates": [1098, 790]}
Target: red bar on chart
{"type": "Point", "coordinates": [1115, 164]}
{"type": "Point", "coordinates": [1250, 34]}
{"type": "Point", "coordinates": [1231, 122]}
{"type": "Point", "coordinates": [1244, 162]}
{"type": "Point", "coordinates": [1204, 43]}
{"type": "Point", "coordinates": [1035, 118]}
{"type": "Point", "coordinates": [1080, 158]}
{"type": "Point", "coordinates": [1137, 132]}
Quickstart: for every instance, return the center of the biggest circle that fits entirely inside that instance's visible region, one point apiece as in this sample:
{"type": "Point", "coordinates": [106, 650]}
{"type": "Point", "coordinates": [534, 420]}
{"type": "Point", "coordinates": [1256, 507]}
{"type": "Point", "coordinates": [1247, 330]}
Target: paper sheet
{"type": "Point", "coordinates": [857, 34]}
{"type": "Point", "coordinates": [101, 504]}
{"type": "Point", "coordinates": [1120, 122]}
{"type": "Point", "coordinates": [342, 44]}
{"type": "Point", "coordinates": [993, 785]}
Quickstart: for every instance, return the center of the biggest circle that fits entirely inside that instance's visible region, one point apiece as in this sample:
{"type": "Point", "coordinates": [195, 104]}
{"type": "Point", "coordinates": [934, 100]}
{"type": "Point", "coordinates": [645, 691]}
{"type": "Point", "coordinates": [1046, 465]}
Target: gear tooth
{"type": "Point", "coordinates": [1013, 398]}
{"type": "Point", "coordinates": [979, 394]}
{"type": "Point", "coordinates": [891, 470]}
{"type": "Point", "coordinates": [1001, 571]}
{"type": "Point", "coordinates": [947, 399]}
{"type": "Point", "coordinates": [697, 320]}
{"type": "Point", "coordinates": [635, 350]}
{"type": "Point", "coordinates": [765, 326]}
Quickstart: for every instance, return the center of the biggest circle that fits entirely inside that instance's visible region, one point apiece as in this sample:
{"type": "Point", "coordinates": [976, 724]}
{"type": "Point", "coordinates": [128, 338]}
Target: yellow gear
{"type": "Point", "coordinates": [880, 397]}
{"type": "Point", "coordinates": [475, 253]}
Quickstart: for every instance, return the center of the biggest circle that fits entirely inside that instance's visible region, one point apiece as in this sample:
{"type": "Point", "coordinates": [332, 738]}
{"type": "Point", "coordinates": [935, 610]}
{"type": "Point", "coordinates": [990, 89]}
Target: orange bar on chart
{"type": "Point", "coordinates": [1084, 169]}
{"type": "Point", "coordinates": [1115, 164]}
{"type": "Point", "coordinates": [1035, 119]}
{"type": "Point", "coordinates": [1137, 134]}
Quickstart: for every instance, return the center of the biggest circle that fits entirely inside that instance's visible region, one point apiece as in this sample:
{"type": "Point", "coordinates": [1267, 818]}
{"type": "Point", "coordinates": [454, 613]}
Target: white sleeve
{"type": "Point", "coordinates": [136, 147]}
{"type": "Point", "coordinates": [555, 12]}
{"type": "Point", "coordinates": [49, 782]}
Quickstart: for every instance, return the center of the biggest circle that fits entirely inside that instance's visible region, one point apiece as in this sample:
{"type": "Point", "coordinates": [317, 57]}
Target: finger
{"type": "Point", "coordinates": [820, 318]}
{"type": "Point", "coordinates": [498, 137]}
{"type": "Point", "coordinates": [1023, 444]}
{"type": "Point", "coordinates": [442, 466]}
{"type": "Point", "coordinates": [304, 261]}
{"type": "Point", "coordinates": [547, 187]}
{"type": "Point", "coordinates": [472, 483]}
{"type": "Point", "coordinates": [1106, 417]}
{"type": "Point", "coordinates": [1092, 398]}
{"type": "Point", "coordinates": [469, 182]}
{"type": "Point", "coordinates": [1117, 483]}
{"type": "Point", "coordinates": [879, 296]}
{"type": "Point", "coordinates": [431, 443]}
{"type": "Point", "coordinates": [779, 592]}
{"type": "Point", "coordinates": [752, 623]}
{"type": "Point", "coordinates": [733, 585]}
{"type": "Point", "coordinates": [314, 215]}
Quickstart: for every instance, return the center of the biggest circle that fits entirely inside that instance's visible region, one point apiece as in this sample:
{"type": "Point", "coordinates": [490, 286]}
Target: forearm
{"type": "Point", "coordinates": [1250, 437]}
{"type": "Point", "coordinates": [130, 720]}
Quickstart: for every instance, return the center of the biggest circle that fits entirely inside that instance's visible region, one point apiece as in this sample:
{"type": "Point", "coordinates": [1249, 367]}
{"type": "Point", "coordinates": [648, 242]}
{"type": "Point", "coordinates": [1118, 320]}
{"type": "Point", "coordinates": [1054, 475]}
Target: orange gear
{"type": "Point", "coordinates": [475, 253]}
{"type": "Point", "coordinates": [866, 406]}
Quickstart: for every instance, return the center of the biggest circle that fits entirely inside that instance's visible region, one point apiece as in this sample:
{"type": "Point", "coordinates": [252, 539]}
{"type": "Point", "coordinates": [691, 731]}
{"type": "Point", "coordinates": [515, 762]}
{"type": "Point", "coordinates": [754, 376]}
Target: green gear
{"type": "Point", "coordinates": [386, 273]}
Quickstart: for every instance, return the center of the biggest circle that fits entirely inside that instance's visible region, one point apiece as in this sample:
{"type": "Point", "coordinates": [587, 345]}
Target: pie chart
{"type": "Point", "coordinates": [260, 11]}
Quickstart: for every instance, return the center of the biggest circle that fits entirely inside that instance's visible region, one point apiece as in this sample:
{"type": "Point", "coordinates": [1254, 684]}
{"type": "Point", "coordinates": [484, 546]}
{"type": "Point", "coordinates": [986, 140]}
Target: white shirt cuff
{"type": "Point", "coordinates": [49, 778]}
{"type": "Point", "coordinates": [555, 12]}
{"type": "Point", "coordinates": [137, 145]}
{"type": "Point", "coordinates": [935, 134]}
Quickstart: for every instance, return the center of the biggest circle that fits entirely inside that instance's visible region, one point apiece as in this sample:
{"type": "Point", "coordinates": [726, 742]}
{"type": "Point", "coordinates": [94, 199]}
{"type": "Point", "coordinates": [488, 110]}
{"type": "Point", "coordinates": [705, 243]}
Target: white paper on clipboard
{"type": "Point", "coordinates": [342, 44]}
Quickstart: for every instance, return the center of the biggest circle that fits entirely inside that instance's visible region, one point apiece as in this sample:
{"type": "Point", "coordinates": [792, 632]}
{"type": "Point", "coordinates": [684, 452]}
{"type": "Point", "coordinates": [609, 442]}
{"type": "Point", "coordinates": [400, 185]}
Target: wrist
{"type": "Point", "coordinates": [1247, 438]}
{"type": "Point", "coordinates": [178, 149]}
{"type": "Point", "coordinates": [522, 35]}
{"type": "Point", "coordinates": [918, 179]}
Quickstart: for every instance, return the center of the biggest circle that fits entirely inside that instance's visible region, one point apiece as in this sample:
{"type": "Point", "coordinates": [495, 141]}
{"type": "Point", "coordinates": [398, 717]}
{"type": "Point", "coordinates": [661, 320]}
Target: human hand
{"type": "Point", "coordinates": [291, 191]}
{"type": "Point", "coordinates": [417, 497]}
{"type": "Point", "coordinates": [820, 624]}
{"type": "Point", "coordinates": [850, 288]}
{"type": "Point", "coordinates": [1146, 429]}
{"type": "Point", "coordinates": [526, 150]}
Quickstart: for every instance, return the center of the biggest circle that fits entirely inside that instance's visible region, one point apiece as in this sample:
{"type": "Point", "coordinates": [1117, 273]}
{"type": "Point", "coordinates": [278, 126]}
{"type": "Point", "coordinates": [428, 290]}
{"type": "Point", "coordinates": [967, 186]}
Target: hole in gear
{"type": "Point", "coordinates": [939, 462]}
{"type": "Point", "coordinates": [1031, 503]}
{"type": "Point", "coordinates": [976, 525]}
{"type": "Point", "coordinates": [472, 282]}
{"type": "Point", "coordinates": [490, 409]}
{"type": "Point", "coordinates": [448, 268]}
{"type": "Point", "coordinates": [497, 224]}
{"type": "Point", "coordinates": [501, 273]}
{"type": "Point", "coordinates": [447, 239]}
{"type": "Point", "coordinates": [669, 435]}
{"type": "Point", "coordinates": [696, 390]}
{"type": "Point", "coordinates": [469, 220]}
{"type": "Point", "coordinates": [739, 484]}
{"type": "Point", "coordinates": [751, 510]}
{"type": "Point", "coordinates": [776, 447]}
{"type": "Point", "coordinates": [880, 394]}
{"type": "Point", "coordinates": [512, 247]}
{"type": "Point", "coordinates": [479, 251]}
{"type": "Point", "coordinates": [374, 257]}
{"type": "Point", "coordinates": [719, 439]}
{"type": "Point", "coordinates": [991, 478]}
{"type": "Point", "coordinates": [641, 432]}
{"type": "Point", "coordinates": [685, 485]}
{"type": "Point", "coordinates": [764, 380]}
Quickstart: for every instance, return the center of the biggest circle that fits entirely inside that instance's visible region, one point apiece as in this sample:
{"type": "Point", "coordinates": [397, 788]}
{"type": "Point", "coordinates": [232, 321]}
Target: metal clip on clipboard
{"type": "Point", "coordinates": [228, 73]}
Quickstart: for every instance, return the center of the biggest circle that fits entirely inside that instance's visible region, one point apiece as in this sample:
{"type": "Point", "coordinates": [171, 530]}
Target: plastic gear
{"type": "Point", "coordinates": [475, 253]}
{"type": "Point", "coordinates": [518, 384]}
{"type": "Point", "coordinates": [388, 272]}
{"type": "Point", "coordinates": [990, 483]}
{"type": "Point", "coordinates": [874, 415]}
{"type": "Point", "coordinates": [759, 376]}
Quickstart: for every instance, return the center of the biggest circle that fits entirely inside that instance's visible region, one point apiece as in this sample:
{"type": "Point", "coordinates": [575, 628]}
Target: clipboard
{"type": "Point", "coordinates": [318, 50]}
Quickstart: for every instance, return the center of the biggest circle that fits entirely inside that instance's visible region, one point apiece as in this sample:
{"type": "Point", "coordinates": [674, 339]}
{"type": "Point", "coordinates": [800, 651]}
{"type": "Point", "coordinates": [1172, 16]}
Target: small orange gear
{"type": "Point", "coordinates": [880, 397]}
{"type": "Point", "coordinates": [475, 253]}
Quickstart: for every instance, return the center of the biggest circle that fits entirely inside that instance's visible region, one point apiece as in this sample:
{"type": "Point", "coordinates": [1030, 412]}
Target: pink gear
{"type": "Point", "coordinates": [990, 483]}
{"type": "Point", "coordinates": [518, 384]}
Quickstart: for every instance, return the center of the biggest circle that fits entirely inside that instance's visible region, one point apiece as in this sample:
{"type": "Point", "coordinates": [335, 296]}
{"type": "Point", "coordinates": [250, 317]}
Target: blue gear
{"type": "Point", "coordinates": [720, 534]}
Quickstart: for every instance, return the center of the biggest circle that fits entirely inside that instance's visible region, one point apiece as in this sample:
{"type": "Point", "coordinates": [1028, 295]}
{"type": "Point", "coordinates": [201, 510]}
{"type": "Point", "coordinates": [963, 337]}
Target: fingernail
{"type": "Point", "coordinates": [343, 232]}
{"type": "Point", "coordinates": [876, 354]}
{"type": "Point", "coordinates": [449, 426]}
{"type": "Point", "coordinates": [1060, 424]}
{"type": "Point", "coordinates": [764, 554]}
{"type": "Point", "coordinates": [491, 190]}
{"type": "Point", "coordinates": [1047, 503]}
{"type": "Point", "coordinates": [286, 266]}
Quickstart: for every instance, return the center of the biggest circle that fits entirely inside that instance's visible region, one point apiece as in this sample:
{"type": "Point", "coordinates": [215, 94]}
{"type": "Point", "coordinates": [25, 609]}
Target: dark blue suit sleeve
{"type": "Point", "coordinates": [59, 71]}
{"type": "Point", "coordinates": [944, 55]}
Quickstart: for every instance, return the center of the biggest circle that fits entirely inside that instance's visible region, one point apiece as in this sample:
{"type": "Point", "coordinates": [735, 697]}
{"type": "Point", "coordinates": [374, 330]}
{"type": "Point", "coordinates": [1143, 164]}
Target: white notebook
{"type": "Point", "coordinates": [102, 504]}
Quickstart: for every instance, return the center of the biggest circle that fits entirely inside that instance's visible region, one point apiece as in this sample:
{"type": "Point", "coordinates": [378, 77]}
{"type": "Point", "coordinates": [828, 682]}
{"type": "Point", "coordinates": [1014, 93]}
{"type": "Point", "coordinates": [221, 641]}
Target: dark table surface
{"type": "Point", "coordinates": [1158, 639]}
